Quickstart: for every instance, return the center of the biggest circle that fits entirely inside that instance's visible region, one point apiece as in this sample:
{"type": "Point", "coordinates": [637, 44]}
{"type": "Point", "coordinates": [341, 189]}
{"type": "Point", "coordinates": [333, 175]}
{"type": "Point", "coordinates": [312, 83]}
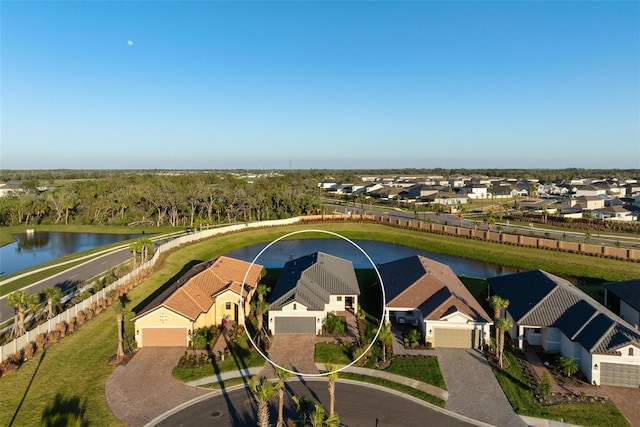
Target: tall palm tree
{"type": "Point", "coordinates": [21, 302]}
{"type": "Point", "coordinates": [304, 405]}
{"type": "Point", "coordinates": [119, 308]}
{"type": "Point", "coordinates": [263, 391]}
{"type": "Point", "coordinates": [53, 295]}
{"type": "Point", "coordinates": [497, 304]}
{"type": "Point", "coordinates": [385, 337]}
{"type": "Point", "coordinates": [262, 290]}
{"type": "Point", "coordinates": [282, 377]}
{"type": "Point", "coordinates": [502, 325]}
{"type": "Point", "coordinates": [259, 309]}
{"type": "Point", "coordinates": [332, 376]}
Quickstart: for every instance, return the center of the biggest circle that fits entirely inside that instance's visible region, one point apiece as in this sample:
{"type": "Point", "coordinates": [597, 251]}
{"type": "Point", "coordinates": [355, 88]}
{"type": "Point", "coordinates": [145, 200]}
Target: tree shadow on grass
{"type": "Point", "coordinates": [65, 411]}
{"type": "Point", "coordinates": [35, 372]}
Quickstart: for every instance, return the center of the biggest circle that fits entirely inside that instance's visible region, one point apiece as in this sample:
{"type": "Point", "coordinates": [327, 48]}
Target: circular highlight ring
{"type": "Point", "coordinates": [241, 304]}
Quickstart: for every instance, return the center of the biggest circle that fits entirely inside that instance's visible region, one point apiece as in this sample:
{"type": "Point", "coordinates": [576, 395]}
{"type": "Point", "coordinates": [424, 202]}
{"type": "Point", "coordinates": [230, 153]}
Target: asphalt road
{"type": "Point", "coordinates": [69, 279]}
{"type": "Point", "coordinates": [357, 405]}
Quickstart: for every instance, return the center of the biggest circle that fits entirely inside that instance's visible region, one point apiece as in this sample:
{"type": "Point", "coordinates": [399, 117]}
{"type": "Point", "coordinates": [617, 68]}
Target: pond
{"type": "Point", "coordinates": [379, 252]}
{"type": "Point", "coordinates": [31, 249]}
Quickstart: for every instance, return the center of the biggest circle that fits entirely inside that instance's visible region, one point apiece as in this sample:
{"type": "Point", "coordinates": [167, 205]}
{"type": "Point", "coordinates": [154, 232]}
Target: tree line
{"type": "Point", "coordinates": [162, 199]}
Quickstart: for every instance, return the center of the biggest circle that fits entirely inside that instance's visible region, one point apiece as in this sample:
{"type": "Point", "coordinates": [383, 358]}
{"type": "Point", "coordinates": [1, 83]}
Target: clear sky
{"type": "Point", "coordinates": [319, 84]}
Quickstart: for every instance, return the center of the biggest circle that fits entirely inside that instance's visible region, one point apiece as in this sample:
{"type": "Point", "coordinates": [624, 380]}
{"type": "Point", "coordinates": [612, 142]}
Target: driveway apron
{"type": "Point", "coordinates": [473, 389]}
{"type": "Point", "coordinates": [144, 388]}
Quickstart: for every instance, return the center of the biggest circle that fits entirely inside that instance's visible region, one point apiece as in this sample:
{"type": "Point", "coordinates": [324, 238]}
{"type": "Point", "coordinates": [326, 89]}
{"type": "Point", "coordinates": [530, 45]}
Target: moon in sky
{"type": "Point", "coordinates": [130, 42]}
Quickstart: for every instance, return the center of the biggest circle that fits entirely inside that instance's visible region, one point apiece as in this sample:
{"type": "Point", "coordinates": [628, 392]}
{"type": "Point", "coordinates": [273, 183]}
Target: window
{"type": "Point", "coordinates": [339, 299]}
{"type": "Point", "coordinates": [294, 306]}
{"type": "Point", "coordinates": [228, 306]}
{"type": "Point", "coordinates": [536, 331]}
{"type": "Point", "coordinates": [630, 352]}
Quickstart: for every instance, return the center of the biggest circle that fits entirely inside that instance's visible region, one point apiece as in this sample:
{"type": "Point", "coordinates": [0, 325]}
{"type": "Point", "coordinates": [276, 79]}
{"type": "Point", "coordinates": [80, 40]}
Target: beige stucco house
{"type": "Point", "coordinates": [204, 296]}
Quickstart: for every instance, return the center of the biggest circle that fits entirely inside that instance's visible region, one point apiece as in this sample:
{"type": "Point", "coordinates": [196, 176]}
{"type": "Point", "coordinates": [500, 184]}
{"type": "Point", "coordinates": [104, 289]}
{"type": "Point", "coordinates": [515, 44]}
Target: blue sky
{"type": "Point", "coordinates": [210, 85]}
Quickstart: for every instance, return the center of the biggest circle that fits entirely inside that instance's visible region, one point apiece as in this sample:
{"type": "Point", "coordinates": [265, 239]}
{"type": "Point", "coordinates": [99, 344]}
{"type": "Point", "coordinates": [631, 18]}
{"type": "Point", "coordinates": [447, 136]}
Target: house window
{"type": "Point", "coordinates": [630, 352]}
{"type": "Point", "coordinates": [339, 299]}
{"type": "Point", "coordinates": [228, 306]}
{"type": "Point", "coordinates": [294, 306]}
{"type": "Point", "coordinates": [536, 331]}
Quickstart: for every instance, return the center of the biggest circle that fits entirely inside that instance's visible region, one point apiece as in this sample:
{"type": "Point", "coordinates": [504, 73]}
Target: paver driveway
{"type": "Point", "coordinates": [295, 351]}
{"type": "Point", "coordinates": [144, 388]}
{"type": "Point", "coordinates": [473, 389]}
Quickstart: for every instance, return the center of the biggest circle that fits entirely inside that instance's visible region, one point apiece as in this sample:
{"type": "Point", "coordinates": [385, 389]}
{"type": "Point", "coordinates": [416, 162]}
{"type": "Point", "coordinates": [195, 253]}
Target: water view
{"type": "Point", "coordinates": [379, 252]}
{"type": "Point", "coordinates": [31, 249]}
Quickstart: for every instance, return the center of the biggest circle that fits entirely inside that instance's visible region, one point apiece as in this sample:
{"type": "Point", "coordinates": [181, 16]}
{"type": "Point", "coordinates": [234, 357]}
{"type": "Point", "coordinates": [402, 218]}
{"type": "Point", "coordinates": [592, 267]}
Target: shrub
{"type": "Point", "coordinates": [41, 341]}
{"type": "Point", "coordinates": [62, 328]}
{"type": "Point", "coordinates": [334, 324]}
{"type": "Point", "coordinates": [29, 350]}
{"type": "Point", "coordinates": [545, 386]}
{"type": "Point", "coordinates": [53, 336]}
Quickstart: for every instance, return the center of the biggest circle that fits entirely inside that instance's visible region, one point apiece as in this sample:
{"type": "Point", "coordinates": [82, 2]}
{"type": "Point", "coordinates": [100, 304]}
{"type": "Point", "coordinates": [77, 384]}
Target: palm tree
{"type": "Point", "coordinates": [136, 247]}
{"type": "Point", "coordinates": [259, 309]}
{"type": "Point", "coordinates": [332, 376]}
{"type": "Point", "coordinates": [53, 295]}
{"type": "Point", "coordinates": [263, 391]}
{"type": "Point", "coordinates": [317, 416]}
{"type": "Point", "coordinates": [497, 304]}
{"type": "Point", "coordinates": [119, 308]}
{"type": "Point", "coordinates": [262, 290]}
{"type": "Point", "coordinates": [568, 366]}
{"type": "Point", "coordinates": [385, 337]}
{"type": "Point", "coordinates": [21, 303]}
{"type": "Point", "coordinates": [502, 325]}
{"type": "Point", "coordinates": [282, 377]}
{"type": "Point", "coordinates": [303, 407]}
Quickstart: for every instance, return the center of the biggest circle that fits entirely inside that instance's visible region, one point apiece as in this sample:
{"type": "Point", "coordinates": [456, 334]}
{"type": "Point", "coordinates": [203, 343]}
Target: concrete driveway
{"type": "Point", "coordinates": [144, 388]}
{"type": "Point", "coordinates": [473, 389]}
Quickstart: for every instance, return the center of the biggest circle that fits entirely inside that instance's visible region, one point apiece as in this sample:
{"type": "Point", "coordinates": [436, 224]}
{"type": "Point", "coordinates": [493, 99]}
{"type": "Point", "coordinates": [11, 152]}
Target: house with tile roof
{"type": "Point", "coordinates": [549, 311]}
{"type": "Point", "coordinates": [208, 293]}
{"type": "Point", "coordinates": [429, 295]}
{"type": "Point", "coordinates": [308, 289]}
{"type": "Point", "coordinates": [623, 298]}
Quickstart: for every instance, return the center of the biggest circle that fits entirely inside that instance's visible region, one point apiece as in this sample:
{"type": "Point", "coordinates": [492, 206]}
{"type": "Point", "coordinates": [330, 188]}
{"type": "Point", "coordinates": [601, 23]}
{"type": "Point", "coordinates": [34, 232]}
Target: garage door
{"type": "Point", "coordinates": [164, 337]}
{"type": "Point", "coordinates": [621, 375]}
{"type": "Point", "coordinates": [295, 325]}
{"type": "Point", "coordinates": [456, 338]}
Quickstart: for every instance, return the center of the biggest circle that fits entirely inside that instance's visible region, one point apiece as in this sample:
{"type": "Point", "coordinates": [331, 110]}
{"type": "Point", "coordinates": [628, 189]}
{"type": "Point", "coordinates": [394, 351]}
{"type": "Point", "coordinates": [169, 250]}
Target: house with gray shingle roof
{"type": "Point", "coordinates": [549, 311]}
{"type": "Point", "coordinates": [623, 298]}
{"type": "Point", "coordinates": [429, 295]}
{"type": "Point", "coordinates": [308, 289]}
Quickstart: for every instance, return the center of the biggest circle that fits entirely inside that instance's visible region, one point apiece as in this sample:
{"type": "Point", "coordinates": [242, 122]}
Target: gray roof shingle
{"type": "Point", "coordinates": [312, 279]}
{"type": "Point", "coordinates": [538, 298]}
{"type": "Point", "coordinates": [628, 291]}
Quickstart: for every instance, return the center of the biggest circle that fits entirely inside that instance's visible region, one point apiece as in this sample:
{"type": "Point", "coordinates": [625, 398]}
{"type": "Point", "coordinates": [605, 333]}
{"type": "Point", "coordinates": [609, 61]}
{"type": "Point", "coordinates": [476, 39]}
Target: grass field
{"type": "Point", "coordinates": [76, 369]}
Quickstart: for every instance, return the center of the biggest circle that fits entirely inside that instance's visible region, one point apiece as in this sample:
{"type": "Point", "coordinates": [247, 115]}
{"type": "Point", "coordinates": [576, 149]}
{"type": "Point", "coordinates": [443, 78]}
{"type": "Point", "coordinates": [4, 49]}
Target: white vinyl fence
{"type": "Point", "coordinates": [50, 325]}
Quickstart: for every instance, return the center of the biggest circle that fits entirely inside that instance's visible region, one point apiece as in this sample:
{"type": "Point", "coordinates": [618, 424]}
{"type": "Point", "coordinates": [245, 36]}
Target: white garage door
{"type": "Point", "coordinates": [164, 337]}
{"type": "Point", "coordinates": [455, 338]}
{"type": "Point", "coordinates": [621, 375]}
{"type": "Point", "coordinates": [295, 325]}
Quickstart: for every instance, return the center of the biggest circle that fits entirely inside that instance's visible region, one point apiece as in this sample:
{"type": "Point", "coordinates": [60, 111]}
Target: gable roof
{"type": "Point", "coordinates": [195, 292]}
{"type": "Point", "coordinates": [538, 298]}
{"type": "Point", "coordinates": [429, 286]}
{"type": "Point", "coordinates": [628, 291]}
{"type": "Point", "coordinates": [312, 279]}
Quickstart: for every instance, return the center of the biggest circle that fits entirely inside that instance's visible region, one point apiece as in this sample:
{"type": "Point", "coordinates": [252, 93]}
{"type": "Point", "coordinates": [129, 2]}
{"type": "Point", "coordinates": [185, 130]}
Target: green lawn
{"type": "Point", "coordinates": [424, 369]}
{"type": "Point", "coordinates": [395, 386]}
{"type": "Point", "coordinates": [515, 386]}
{"type": "Point", "coordinates": [243, 356]}
{"type": "Point", "coordinates": [76, 368]}
{"type": "Point", "coordinates": [332, 353]}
